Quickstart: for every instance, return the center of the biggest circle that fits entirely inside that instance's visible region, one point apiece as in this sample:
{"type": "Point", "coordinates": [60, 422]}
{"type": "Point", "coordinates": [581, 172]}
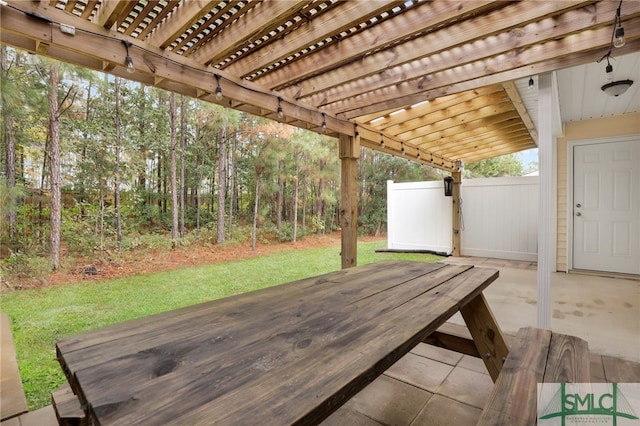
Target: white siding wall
{"type": "Point", "coordinates": [418, 216]}
{"type": "Point", "coordinates": [499, 217]}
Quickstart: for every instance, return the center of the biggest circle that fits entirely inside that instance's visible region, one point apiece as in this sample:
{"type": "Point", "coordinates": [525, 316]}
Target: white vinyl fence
{"type": "Point", "coordinates": [499, 217]}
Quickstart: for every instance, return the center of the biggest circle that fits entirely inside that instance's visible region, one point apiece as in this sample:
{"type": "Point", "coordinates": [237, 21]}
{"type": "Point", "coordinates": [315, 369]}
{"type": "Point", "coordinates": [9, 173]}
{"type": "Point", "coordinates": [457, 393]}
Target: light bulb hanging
{"type": "Point", "coordinates": [280, 111]}
{"type": "Point", "coordinates": [324, 122]}
{"type": "Point", "coordinates": [219, 96]}
{"type": "Point", "coordinates": [531, 83]}
{"type": "Point", "coordinates": [127, 59]}
{"type": "Point", "coordinates": [609, 70]}
{"type": "Point", "coordinates": [618, 39]}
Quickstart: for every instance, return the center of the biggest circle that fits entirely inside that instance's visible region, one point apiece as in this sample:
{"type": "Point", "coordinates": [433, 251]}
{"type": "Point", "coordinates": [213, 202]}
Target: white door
{"type": "Point", "coordinates": [606, 206]}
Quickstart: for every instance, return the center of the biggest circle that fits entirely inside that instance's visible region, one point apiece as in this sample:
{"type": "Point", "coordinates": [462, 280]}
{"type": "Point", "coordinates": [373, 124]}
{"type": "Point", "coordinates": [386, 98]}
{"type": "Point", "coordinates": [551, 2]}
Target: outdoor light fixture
{"type": "Point", "coordinates": [448, 186]}
{"type": "Point", "coordinates": [280, 112]}
{"type": "Point", "coordinates": [618, 39]}
{"type": "Point", "coordinates": [218, 88]}
{"type": "Point", "coordinates": [127, 59]}
{"type": "Point", "coordinates": [609, 71]}
{"type": "Point", "coordinates": [616, 88]}
{"type": "Point", "coordinates": [531, 83]}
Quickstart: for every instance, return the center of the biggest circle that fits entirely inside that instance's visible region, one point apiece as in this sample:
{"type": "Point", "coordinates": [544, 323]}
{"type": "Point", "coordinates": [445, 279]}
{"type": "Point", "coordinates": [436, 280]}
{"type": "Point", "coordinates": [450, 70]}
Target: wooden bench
{"type": "Point", "coordinates": [67, 407]}
{"type": "Point", "coordinates": [536, 356]}
{"type": "Point", "coordinates": [12, 399]}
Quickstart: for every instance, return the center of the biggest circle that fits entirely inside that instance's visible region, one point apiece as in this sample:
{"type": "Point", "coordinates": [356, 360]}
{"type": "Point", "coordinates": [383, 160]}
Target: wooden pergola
{"type": "Point", "coordinates": [432, 81]}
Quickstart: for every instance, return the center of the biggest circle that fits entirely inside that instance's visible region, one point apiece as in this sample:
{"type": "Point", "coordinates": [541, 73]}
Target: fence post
{"type": "Point", "coordinates": [457, 181]}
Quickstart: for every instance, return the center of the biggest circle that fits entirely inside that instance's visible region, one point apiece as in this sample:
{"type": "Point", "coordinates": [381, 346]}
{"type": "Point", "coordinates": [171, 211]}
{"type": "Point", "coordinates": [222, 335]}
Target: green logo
{"type": "Point", "coordinates": [586, 403]}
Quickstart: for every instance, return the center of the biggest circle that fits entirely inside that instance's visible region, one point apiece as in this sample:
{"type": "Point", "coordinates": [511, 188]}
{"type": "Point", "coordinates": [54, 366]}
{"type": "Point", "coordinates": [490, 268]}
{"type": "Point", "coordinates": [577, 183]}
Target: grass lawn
{"type": "Point", "coordinates": [40, 317]}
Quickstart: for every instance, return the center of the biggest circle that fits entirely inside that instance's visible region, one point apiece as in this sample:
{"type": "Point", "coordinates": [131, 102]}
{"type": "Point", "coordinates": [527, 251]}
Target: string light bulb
{"type": "Point", "coordinates": [618, 39]}
{"type": "Point", "coordinates": [218, 88]}
{"type": "Point", "coordinates": [127, 59]}
{"type": "Point", "coordinates": [324, 122]}
{"type": "Point", "coordinates": [609, 70]}
{"type": "Point", "coordinates": [280, 111]}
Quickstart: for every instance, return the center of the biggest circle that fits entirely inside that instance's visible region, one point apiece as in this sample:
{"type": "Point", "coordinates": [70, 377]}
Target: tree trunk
{"type": "Point", "coordinates": [159, 184]}
{"type": "Point", "coordinates": [304, 201]}
{"type": "Point", "coordinates": [183, 145]}
{"type": "Point", "coordinates": [320, 205]}
{"type": "Point", "coordinates": [45, 164]}
{"type": "Point", "coordinates": [232, 183]}
{"type": "Point", "coordinates": [280, 195]}
{"type": "Point", "coordinates": [255, 215]}
{"type": "Point", "coordinates": [295, 204]}
{"type": "Point", "coordinates": [197, 185]}
{"type": "Point", "coordinates": [54, 154]}
{"type": "Point", "coordinates": [142, 176]}
{"type": "Point", "coordinates": [10, 138]}
{"type": "Point", "coordinates": [174, 184]}
{"type": "Point", "coordinates": [116, 178]}
{"type": "Point", "coordinates": [222, 178]}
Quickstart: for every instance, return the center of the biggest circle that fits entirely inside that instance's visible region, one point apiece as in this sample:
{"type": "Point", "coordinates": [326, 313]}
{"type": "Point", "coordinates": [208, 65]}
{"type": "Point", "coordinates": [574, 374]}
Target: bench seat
{"type": "Point", "coordinates": [536, 356]}
{"type": "Point", "coordinates": [12, 399]}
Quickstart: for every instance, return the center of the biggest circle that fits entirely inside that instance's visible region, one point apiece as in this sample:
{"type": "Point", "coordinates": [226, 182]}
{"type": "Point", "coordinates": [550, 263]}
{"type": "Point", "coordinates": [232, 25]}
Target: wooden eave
{"type": "Point", "coordinates": [358, 67]}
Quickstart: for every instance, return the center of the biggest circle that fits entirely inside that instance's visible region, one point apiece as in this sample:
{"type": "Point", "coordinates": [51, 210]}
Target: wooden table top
{"type": "Point", "coordinates": [289, 354]}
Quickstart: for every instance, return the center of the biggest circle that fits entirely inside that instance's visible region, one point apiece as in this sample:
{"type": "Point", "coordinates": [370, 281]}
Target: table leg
{"type": "Point", "coordinates": [486, 334]}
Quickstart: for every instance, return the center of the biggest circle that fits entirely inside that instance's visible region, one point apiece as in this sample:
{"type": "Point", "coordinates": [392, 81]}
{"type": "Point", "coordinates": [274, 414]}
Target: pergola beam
{"type": "Point", "coordinates": [446, 117]}
{"type": "Point", "coordinates": [328, 24]}
{"type": "Point", "coordinates": [424, 16]}
{"type": "Point", "coordinates": [470, 128]}
{"type": "Point", "coordinates": [389, 122]}
{"type": "Point", "coordinates": [422, 56]}
{"type": "Point", "coordinates": [111, 10]}
{"type": "Point", "coordinates": [263, 15]}
{"type": "Point", "coordinates": [513, 93]}
{"type": "Point", "coordinates": [183, 16]}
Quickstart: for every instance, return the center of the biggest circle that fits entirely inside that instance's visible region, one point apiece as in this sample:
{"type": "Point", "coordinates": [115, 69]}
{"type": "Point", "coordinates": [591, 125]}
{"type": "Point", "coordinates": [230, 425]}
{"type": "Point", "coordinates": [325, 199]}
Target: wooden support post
{"type": "Point", "coordinates": [349, 154]}
{"type": "Point", "coordinates": [457, 180]}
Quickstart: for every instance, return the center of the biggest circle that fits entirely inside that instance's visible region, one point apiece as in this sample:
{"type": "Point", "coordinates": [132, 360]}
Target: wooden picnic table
{"type": "Point", "coordinates": [289, 354]}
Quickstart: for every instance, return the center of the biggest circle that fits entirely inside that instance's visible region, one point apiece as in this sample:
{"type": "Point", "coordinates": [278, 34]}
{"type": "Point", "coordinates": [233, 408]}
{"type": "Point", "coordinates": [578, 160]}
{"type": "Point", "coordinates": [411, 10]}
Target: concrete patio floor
{"type": "Point", "coordinates": [434, 386]}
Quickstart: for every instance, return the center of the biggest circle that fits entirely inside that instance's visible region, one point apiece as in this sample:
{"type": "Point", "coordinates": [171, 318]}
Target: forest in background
{"type": "Point", "coordinates": [100, 165]}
